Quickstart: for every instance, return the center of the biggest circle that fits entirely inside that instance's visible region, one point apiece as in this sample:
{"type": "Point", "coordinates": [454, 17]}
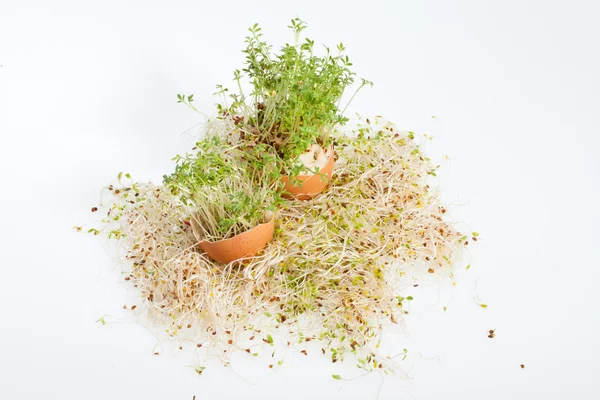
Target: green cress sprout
{"type": "Point", "coordinates": [227, 191]}
{"type": "Point", "coordinates": [295, 95]}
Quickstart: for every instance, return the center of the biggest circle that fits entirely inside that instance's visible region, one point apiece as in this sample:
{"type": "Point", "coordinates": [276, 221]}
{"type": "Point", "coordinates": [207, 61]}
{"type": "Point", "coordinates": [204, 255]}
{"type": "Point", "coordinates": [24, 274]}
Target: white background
{"type": "Point", "coordinates": [87, 89]}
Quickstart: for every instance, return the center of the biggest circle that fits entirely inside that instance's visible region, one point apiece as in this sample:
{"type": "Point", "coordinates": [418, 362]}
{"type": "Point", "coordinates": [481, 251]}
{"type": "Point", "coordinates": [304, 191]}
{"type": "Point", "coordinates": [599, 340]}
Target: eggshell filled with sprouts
{"type": "Point", "coordinates": [305, 187]}
{"type": "Point", "coordinates": [246, 244]}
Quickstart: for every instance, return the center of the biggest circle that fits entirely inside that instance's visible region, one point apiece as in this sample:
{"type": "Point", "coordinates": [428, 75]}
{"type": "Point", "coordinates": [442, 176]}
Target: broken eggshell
{"type": "Point", "coordinates": [305, 187]}
{"type": "Point", "coordinates": [246, 244]}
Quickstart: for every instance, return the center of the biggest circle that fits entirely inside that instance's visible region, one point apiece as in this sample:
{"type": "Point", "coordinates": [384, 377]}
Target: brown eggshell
{"type": "Point", "coordinates": [311, 185]}
{"type": "Point", "coordinates": [245, 244]}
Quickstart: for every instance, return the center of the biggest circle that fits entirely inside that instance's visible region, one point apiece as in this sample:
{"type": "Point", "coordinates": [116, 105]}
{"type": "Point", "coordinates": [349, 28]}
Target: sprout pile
{"type": "Point", "coordinates": [336, 271]}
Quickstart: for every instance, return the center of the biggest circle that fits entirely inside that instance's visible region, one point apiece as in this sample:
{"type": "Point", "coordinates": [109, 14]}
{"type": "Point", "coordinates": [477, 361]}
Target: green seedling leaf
{"type": "Point", "coordinates": [334, 376]}
{"type": "Point", "coordinates": [199, 370]}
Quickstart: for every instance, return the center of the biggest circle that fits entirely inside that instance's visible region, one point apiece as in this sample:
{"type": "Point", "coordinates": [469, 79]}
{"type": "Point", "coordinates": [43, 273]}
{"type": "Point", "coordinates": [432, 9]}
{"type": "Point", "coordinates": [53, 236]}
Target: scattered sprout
{"type": "Point", "coordinates": [269, 340]}
{"type": "Point", "coordinates": [199, 370]}
{"type": "Point", "coordinates": [478, 301]}
{"type": "Point", "coordinates": [339, 260]}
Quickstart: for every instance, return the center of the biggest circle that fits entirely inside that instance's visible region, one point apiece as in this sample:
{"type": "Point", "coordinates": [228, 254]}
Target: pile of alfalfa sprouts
{"type": "Point", "coordinates": [337, 270]}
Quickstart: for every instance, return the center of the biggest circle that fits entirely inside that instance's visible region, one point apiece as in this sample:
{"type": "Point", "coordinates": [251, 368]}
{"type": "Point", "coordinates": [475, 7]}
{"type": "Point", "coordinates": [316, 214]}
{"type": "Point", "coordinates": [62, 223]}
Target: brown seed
{"type": "Point", "coordinates": [133, 308]}
{"type": "Point", "coordinates": [199, 345]}
{"type": "Point", "coordinates": [522, 366]}
{"type": "Point", "coordinates": [180, 347]}
{"type": "Point", "coordinates": [270, 365]}
{"type": "Point", "coordinates": [304, 352]}
{"type": "Point", "coordinates": [251, 337]}
{"type": "Point", "coordinates": [94, 209]}
{"type": "Point", "coordinates": [431, 270]}
{"type": "Point", "coordinates": [124, 307]}
{"type": "Point", "coordinates": [156, 353]}
{"type": "Point", "coordinates": [230, 341]}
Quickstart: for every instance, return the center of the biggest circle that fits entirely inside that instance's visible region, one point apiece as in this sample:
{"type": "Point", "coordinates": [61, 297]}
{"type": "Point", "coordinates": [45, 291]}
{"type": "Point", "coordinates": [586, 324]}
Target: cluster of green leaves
{"type": "Point", "coordinates": [294, 103]}
{"type": "Point", "coordinates": [295, 97]}
{"type": "Point", "coordinates": [227, 190]}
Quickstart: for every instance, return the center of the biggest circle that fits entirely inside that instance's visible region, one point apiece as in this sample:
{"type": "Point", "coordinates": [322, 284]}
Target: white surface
{"type": "Point", "coordinates": [87, 89]}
